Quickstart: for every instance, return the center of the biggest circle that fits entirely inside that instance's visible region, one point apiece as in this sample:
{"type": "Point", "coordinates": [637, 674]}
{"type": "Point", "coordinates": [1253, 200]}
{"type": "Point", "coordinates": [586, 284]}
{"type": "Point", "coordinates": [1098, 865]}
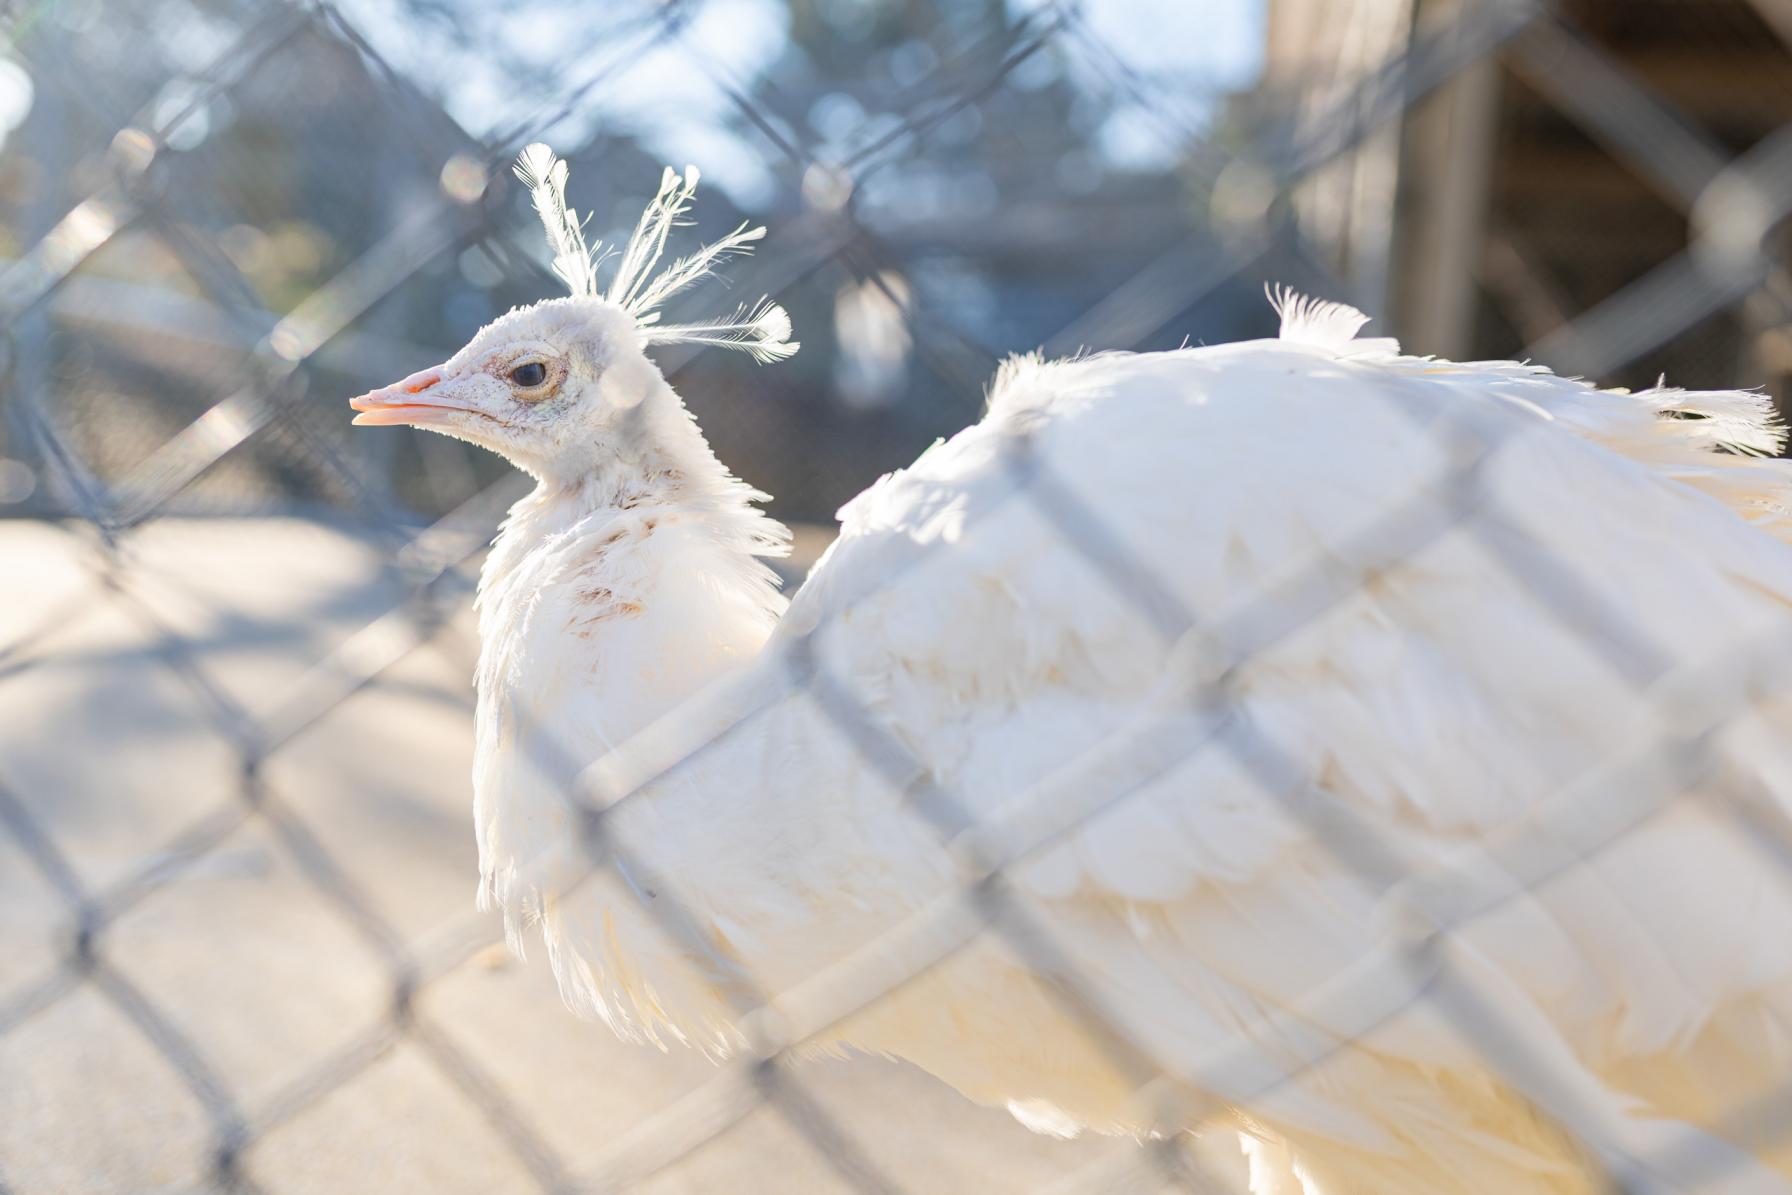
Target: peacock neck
{"type": "Point", "coordinates": [607, 601]}
{"type": "Point", "coordinates": [635, 583]}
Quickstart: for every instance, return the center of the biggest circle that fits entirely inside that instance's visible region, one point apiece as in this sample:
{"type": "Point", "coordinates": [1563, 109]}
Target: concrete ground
{"type": "Point", "coordinates": [264, 965]}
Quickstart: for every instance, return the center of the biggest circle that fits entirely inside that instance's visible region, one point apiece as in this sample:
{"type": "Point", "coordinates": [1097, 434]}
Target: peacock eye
{"type": "Point", "coordinates": [529, 374]}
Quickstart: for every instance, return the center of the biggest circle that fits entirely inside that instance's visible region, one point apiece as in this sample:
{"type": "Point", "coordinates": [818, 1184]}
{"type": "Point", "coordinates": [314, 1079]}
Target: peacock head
{"type": "Point", "coordinates": [559, 386]}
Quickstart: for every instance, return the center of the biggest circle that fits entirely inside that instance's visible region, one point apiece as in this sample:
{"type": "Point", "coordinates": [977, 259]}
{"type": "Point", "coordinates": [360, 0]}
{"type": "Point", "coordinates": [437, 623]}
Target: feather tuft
{"type": "Point", "coordinates": [763, 332]}
{"type": "Point", "coordinates": [649, 240]}
{"type": "Point", "coordinates": [693, 267]}
{"type": "Point", "coordinates": [545, 175]}
{"type": "Point", "coordinates": [1744, 422]}
{"type": "Point", "coordinates": [1323, 324]}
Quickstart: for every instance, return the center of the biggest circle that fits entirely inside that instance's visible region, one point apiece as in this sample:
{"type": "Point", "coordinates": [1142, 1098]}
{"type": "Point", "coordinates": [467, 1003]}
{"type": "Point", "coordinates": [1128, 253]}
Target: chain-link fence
{"type": "Point", "coordinates": [241, 953]}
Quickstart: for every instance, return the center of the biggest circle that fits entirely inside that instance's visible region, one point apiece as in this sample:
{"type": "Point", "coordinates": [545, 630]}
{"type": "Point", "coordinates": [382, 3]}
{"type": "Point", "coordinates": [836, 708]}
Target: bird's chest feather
{"type": "Point", "coordinates": [574, 642]}
{"type": "Point", "coordinates": [591, 628]}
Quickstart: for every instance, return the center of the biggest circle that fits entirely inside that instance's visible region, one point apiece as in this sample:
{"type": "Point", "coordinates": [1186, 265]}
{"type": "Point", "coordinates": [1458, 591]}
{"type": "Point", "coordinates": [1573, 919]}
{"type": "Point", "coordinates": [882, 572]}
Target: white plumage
{"type": "Point", "coordinates": [1435, 694]}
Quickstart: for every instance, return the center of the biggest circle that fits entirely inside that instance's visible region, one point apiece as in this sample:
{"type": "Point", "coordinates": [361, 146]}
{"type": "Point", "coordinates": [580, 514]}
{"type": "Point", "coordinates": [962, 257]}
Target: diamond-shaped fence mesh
{"type": "Point", "coordinates": [233, 852]}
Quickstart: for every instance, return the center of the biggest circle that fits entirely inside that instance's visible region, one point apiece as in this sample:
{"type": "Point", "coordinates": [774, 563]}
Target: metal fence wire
{"type": "Point", "coordinates": [248, 419]}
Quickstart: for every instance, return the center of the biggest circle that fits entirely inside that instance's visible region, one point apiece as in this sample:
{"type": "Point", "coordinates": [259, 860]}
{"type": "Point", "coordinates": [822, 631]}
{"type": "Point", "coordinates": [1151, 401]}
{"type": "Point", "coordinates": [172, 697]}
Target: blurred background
{"type": "Point", "coordinates": [946, 183]}
{"type": "Point", "coordinates": [236, 940]}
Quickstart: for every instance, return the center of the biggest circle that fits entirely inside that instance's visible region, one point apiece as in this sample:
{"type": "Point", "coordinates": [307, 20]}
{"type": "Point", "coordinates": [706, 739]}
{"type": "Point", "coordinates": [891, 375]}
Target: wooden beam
{"type": "Point", "coordinates": [1449, 165]}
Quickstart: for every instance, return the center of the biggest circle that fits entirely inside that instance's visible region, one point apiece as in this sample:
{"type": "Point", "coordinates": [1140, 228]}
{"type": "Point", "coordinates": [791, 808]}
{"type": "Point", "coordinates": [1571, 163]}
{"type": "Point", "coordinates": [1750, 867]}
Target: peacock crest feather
{"type": "Point", "coordinates": [639, 286]}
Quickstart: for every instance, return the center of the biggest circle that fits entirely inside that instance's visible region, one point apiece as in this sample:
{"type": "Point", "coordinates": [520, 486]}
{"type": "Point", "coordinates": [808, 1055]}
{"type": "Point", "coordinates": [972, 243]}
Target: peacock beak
{"type": "Point", "coordinates": [398, 404]}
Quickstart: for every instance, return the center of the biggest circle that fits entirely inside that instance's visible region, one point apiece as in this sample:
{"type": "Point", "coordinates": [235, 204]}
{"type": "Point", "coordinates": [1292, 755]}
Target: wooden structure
{"type": "Point", "coordinates": [1550, 175]}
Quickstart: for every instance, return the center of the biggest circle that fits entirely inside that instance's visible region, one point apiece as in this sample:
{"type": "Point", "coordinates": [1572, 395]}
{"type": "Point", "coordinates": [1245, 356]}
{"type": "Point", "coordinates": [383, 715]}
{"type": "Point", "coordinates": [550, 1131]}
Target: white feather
{"type": "Point", "coordinates": [649, 240]}
{"type": "Point", "coordinates": [636, 287]}
{"type": "Point", "coordinates": [1324, 325]}
{"type": "Point", "coordinates": [1437, 696]}
{"type": "Point", "coordinates": [545, 176]}
{"type": "Point", "coordinates": [686, 270]}
{"type": "Point", "coordinates": [762, 330]}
